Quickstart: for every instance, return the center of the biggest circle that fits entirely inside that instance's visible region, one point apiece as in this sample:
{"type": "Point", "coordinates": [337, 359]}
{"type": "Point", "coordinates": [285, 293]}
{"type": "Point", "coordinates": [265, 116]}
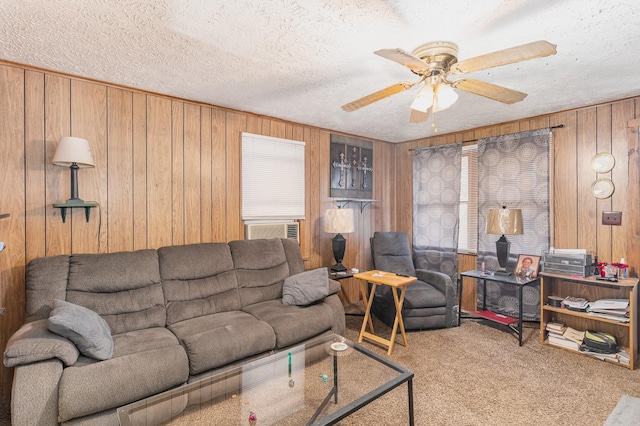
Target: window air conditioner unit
{"type": "Point", "coordinates": [255, 231]}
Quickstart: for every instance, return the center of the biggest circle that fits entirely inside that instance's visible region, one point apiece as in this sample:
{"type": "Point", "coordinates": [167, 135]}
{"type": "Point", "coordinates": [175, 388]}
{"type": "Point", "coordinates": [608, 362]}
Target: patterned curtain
{"type": "Point", "coordinates": [436, 198]}
{"type": "Point", "coordinates": [513, 171]}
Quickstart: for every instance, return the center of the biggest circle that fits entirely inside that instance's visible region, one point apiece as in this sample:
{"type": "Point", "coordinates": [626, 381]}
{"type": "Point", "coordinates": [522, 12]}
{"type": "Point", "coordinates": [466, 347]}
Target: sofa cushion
{"type": "Point", "coordinates": [124, 288]}
{"type": "Point", "coordinates": [47, 279]}
{"type": "Point", "coordinates": [261, 267]}
{"type": "Point", "coordinates": [306, 287]}
{"type": "Point", "coordinates": [34, 342]}
{"type": "Point", "coordinates": [198, 280]}
{"type": "Point", "coordinates": [293, 255]}
{"type": "Point", "coordinates": [82, 326]}
{"type": "Point", "coordinates": [293, 324]}
{"type": "Point", "coordinates": [218, 339]}
{"type": "Point", "coordinates": [144, 363]}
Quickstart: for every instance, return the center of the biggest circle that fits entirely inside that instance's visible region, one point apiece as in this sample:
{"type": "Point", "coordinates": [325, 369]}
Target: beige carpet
{"type": "Point", "coordinates": [478, 375]}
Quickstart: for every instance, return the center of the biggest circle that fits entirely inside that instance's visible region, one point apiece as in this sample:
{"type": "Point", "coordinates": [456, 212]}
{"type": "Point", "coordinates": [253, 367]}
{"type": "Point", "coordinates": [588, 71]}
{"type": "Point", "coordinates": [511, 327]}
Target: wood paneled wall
{"type": "Point", "coordinates": [167, 173]}
{"type": "Point", "coordinates": [576, 214]}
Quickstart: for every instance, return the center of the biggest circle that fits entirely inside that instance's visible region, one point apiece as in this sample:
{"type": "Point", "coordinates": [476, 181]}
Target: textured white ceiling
{"type": "Point", "coordinates": [300, 60]}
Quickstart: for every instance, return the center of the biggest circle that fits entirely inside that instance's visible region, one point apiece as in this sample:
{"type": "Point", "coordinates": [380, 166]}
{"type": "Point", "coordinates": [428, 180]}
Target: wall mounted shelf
{"type": "Point", "coordinates": [4, 215]}
{"type": "Point", "coordinates": [343, 202]}
{"type": "Point", "coordinates": [87, 208]}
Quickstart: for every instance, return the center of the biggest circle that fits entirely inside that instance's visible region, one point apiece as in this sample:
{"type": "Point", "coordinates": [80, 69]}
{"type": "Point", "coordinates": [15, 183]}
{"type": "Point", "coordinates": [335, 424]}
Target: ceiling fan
{"type": "Point", "coordinates": [436, 62]}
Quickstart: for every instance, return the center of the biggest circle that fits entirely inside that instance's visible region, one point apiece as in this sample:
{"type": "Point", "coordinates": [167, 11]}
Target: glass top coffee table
{"type": "Point", "coordinates": [317, 383]}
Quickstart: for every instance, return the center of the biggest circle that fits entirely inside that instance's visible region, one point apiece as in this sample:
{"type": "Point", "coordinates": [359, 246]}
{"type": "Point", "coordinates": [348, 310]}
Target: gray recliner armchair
{"type": "Point", "coordinates": [429, 302]}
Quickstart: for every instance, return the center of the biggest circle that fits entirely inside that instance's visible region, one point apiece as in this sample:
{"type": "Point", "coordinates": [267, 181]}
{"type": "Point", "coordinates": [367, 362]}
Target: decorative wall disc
{"type": "Point", "coordinates": [603, 162]}
{"type": "Point", "coordinates": [602, 188]}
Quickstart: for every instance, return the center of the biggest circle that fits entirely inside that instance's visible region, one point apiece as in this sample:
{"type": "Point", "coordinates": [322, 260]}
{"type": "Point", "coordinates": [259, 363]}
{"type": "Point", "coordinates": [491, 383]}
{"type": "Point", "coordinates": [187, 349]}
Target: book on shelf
{"type": "Point", "coordinates": [623, 356]}
{"type": "Point", "coordinates": [559, 333]}
{"type": "Point", "coordinates": [616, 309]}
{"type": "Point", "coordinates": [562, 342]}
{"type": "Point", "coordinates": [556, 325]}
{"type": "Point", "coordinates": [613, 317]}
{"type": "Point", "coordinates": [574, 335]}
{"type": "Point", "coordinates": [610, 357]}
{"type": "Point", "coordinates": [615, 304]}
{"type": "Point", "coordinates": [575, 303]}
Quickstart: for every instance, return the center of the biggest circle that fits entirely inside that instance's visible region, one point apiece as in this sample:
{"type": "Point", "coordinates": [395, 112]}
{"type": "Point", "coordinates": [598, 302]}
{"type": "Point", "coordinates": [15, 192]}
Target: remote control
{"type": "Point", "coordinates": [402, 275]}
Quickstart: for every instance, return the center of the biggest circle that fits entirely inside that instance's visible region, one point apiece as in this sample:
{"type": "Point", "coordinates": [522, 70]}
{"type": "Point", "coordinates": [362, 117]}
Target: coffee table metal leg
{"type": "Point", "coordinates": [459, 299]}
{"type": "Point", "coordinates": [520, 315]}
{"type": "Point", "coordinates": [332, 393]}
{"type": "Point", "coordinates": [410, 400]}
{"type": "Point", "coordinates": [335, 378]}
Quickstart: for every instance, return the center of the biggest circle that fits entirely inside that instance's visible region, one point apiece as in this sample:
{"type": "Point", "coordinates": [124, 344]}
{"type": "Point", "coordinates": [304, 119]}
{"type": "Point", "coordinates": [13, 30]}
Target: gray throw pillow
{"type": "Point", "coordinates": [306, 287]}
{"type": "Point", "coordinates": [88, 330]}
{"type": "Point", "coordinates": [34, 342]}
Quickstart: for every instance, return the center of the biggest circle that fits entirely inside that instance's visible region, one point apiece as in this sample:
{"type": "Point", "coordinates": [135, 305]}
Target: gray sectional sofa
{"type": "Point", "coordinates": [175, 314]}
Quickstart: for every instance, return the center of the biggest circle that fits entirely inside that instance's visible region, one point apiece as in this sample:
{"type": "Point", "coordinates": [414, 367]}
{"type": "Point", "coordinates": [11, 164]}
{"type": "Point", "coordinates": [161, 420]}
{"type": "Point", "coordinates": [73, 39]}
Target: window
{"type": "Point", "coordinates": [272, 178]}
{"type": "Point", "coordinates": [468, 232]}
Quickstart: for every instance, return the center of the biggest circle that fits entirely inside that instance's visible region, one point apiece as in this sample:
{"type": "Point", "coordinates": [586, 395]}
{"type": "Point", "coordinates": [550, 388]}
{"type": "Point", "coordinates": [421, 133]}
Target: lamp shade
{"type": "Point", "coordinates": [444, 97]}
{"type": "Point", "coordinates": [424, 99]}
{"type": "Point", "coordinates": [338, 221]}
{"type": "Point", "coordinates": [73, 150]}
{"type": "Point", "coordinates": [504, 221]}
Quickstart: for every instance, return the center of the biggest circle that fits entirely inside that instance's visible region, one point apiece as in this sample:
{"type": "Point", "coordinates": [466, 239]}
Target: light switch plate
{"type": "Point", "coordinates": [612, 218]}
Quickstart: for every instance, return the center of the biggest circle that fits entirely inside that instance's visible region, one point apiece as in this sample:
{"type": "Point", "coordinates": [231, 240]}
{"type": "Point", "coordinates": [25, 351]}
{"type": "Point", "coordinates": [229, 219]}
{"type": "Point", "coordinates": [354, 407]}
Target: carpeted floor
{"type": "Point", "coordinates": [478, 375]}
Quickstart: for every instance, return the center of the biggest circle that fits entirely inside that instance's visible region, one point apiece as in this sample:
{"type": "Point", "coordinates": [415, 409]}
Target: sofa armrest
{"type": "Point", "coordinates": [34, 396]}
{"type": "Point", "coordinates": [34, 342]}
{"type": "Point", "coordinates": [437, 279]}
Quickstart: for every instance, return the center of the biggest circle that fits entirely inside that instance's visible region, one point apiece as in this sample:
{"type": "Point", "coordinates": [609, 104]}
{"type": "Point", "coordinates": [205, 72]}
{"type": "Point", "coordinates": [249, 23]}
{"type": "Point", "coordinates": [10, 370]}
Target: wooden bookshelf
{"type": "Point", "coordinates": [590, 288]}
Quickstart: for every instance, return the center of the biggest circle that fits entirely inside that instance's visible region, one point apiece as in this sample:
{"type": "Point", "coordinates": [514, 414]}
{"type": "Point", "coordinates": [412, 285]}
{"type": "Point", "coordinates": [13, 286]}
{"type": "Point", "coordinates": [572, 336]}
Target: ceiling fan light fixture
{"type": "Point", "coordinates": [444, 97]}
{"type": "Point", "coordinates": [424, 99]}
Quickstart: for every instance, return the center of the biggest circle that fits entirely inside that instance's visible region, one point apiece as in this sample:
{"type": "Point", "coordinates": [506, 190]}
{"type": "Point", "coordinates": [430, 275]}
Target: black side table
{"type": "Point", "coordinates": [518, 280]}
{"type": "Point", "coordinates": [337, 276]}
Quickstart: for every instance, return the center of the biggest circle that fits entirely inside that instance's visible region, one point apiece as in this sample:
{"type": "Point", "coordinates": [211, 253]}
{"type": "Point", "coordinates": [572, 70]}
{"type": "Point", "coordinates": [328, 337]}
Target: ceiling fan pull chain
{"type": "Point", "coordinates": [434, 109]}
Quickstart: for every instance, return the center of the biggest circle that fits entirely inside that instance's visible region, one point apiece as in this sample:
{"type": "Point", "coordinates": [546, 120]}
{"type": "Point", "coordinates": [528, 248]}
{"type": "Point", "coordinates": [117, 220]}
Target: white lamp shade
{"type": "Point", "coordinates": [73, 150]}
{"type": "Point", "coordinates": [424, 99]}
{"type": "Point", "coordinates": [444, 97]}
{"type": "Point", "coordinates": [504, 222]}
{"type": "Point", "coordinates": [338, 221]}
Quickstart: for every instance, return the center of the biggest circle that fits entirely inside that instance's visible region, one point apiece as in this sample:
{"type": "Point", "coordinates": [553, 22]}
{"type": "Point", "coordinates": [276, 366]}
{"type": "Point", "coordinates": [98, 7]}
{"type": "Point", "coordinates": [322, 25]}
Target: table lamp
{"type": "Point", "coordinates": [74, 153]}
{"type": "Point", "coordinates": [503, 222]}
{"type": "Point", "coordinates": [338, 221]}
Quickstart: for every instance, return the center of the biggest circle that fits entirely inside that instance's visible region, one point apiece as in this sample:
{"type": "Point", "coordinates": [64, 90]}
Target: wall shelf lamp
{"type": "Point", "coordinates": [74, 153]}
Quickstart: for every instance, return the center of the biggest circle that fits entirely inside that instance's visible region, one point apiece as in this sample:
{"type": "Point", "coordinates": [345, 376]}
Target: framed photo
{"type": "Point", "coordinates": [527, 265]}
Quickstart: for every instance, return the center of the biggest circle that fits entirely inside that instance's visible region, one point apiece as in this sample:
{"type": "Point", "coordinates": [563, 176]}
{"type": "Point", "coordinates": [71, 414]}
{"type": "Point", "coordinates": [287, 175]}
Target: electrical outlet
{"type": "Point", "coordinates": [612, 218]}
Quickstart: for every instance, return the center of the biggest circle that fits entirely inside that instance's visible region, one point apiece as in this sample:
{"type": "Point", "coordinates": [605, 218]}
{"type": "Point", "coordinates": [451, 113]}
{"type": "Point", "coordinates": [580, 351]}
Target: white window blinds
{"type": "Point", "coordinates": [272, 178]}
{"type": "Point", "coordinates": [468, 231]}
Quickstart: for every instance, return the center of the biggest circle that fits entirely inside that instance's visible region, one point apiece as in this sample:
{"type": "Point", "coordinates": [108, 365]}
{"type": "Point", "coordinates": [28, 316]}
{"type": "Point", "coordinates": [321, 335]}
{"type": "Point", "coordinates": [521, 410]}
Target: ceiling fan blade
{"type": "Point", "coordinates": [418, 116]}
{"type": "Point", "coordinates": [536, 49]}
{"type": "Point", "coordinates": [488, 90]}
{"type": "Point", "coordinates": [376, 96]}
{"type": "Point", "coordinates": [402, 57]}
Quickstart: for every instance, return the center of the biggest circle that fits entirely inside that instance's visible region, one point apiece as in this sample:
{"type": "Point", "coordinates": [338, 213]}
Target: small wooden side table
{"type": "Point", "coordinates": [394, 281]}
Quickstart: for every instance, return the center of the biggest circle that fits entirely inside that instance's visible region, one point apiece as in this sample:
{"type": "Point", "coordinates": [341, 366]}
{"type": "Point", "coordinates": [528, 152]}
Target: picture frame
{"type": "Point", "coordinates": [527, 265]}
